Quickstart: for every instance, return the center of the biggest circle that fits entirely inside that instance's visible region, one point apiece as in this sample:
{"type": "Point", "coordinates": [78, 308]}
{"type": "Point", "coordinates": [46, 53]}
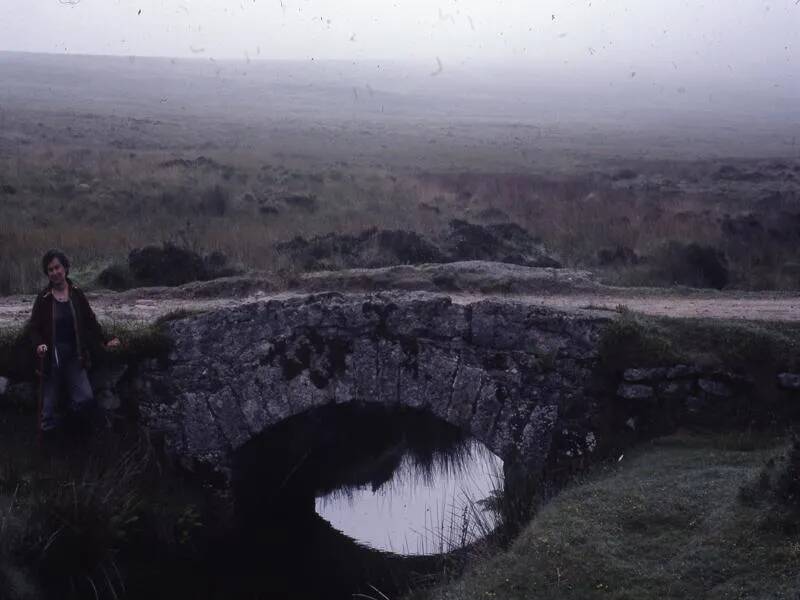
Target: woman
{"type": "Point", "coordinates": [64, 333]}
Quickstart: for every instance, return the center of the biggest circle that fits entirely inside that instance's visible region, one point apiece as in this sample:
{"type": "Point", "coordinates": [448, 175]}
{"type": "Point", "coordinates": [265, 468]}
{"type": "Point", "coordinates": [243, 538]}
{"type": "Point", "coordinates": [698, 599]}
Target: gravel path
{"type": "Point", "coordinates": [147, 305]}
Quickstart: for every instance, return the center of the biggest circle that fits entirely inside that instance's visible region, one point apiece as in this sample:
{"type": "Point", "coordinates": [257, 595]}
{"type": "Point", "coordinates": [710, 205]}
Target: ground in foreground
{"type": "Point", "coordinates": [666, 521]}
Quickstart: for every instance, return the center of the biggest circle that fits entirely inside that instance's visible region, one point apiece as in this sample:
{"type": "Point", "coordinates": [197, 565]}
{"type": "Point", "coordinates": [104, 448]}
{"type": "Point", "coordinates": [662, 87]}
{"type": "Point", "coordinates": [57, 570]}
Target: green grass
{"type": "Point", "coordinates": [664, 522]}
{"type": "Point", "coordinates": [636, 340]}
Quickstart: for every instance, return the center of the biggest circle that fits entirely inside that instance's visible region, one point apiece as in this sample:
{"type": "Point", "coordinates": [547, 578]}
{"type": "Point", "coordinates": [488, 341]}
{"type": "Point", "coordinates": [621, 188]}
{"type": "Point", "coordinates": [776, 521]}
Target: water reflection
{"type": "Point", "coordinates": [421, 511]}
{"type": "Point", "coordinates": [422, 477]}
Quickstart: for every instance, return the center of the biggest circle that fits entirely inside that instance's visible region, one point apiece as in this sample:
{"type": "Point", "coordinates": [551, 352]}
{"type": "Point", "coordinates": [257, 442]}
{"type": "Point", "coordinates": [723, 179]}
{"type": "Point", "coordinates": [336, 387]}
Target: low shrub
{"type": "Point", "coordinates": [165, 265]}
{"type": "Point", "coordinates": [215, 201]}
{"type": "Point", "coordinates": [116, 277]}
{"type": "Point", "coordinates": [692, 265]}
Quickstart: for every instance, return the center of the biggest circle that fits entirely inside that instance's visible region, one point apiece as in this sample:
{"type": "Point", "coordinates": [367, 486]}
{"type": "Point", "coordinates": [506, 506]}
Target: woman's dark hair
{"type": "Point", "coordinates": [54, 253]}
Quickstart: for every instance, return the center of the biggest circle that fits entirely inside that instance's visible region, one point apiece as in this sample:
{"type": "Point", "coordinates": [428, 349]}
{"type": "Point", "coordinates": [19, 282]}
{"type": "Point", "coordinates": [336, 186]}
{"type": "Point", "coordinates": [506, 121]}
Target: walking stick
{"type": "Point", "coordinates": [39, 400]}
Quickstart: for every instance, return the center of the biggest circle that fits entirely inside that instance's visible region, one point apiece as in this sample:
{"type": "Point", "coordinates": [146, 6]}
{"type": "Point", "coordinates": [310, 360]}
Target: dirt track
{"type": "Point", "coordinates": [145, 305]}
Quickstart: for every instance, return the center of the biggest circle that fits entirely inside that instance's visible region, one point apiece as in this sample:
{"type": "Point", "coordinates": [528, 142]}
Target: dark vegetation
{"type": "Point", "coordinates": [501, 242]}
{"type": "Point", "coordinates": [111, 517]}
{"type": "Point", "coordinates": [667, 520]}
{"type": "Point", "coordinates": [168, 265]}
{"type": "Point", "coordinates": [691, 265]}
{"type": "Point", "coordinates": [104, 518]}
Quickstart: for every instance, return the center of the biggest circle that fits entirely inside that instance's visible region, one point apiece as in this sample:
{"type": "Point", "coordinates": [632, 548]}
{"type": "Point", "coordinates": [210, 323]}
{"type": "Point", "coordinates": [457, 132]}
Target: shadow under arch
{"type": "Point", "coordinates": [277, 476]}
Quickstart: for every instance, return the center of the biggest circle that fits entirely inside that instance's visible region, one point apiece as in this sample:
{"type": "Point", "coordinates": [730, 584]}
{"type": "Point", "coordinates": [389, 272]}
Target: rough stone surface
{"type": "Point", "coordinates": [631, 391]}
{"type": "Point", "coordinates": [674, 390]}
{"type": "Point", "coordinates": [715, 388]}
{"type": "Point", "coordinates": [789, 381]}
{"type": "Point", "coordinates": [682, 371]}
{"type": "Point", "coordinates": [643, 375]}
{"type": "Point", "coordinates": [522, 379]}
{"type": "Point", "coordinates": [234, 373]}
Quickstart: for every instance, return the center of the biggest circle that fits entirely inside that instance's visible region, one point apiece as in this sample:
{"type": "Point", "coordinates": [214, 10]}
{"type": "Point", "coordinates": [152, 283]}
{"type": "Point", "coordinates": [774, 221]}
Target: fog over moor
{"type": "Point", "coordinates": [598, 63]}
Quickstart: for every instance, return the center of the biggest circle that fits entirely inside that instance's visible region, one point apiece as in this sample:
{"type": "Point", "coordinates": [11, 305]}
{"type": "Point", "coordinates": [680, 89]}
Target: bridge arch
{"type": "Point", "coordinates": [501, 372]}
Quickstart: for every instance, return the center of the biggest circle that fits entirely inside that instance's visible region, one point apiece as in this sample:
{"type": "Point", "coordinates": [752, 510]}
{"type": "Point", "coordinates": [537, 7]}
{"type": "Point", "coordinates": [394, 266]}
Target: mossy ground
{"type": "Point", "coordinates": [637, 340]}
{"type": "Point", "coordinates": [666, 521]}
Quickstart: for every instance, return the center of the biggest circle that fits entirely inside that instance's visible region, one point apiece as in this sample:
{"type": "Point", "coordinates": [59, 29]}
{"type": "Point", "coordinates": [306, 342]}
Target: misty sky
{"type": "Point", "coordinates": [750, 36]}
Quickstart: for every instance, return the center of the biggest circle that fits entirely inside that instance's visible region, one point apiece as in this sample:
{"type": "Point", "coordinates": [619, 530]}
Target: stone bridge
{"type": "Point", "coordinates": [505, 373]}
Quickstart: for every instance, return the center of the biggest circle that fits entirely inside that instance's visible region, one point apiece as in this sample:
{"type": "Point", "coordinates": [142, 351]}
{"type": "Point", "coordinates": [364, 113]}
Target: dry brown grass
{"type": "Point", "coordinates": [98, 203]}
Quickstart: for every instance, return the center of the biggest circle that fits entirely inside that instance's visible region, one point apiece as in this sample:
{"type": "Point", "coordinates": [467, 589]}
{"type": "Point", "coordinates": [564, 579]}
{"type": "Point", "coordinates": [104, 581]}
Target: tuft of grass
{"type": "Point", "coordinates": [664, 522]}
{"type": "Point", "coordinates": [101, 520]}
{"type": "Point", "coordinates": [75, 528]}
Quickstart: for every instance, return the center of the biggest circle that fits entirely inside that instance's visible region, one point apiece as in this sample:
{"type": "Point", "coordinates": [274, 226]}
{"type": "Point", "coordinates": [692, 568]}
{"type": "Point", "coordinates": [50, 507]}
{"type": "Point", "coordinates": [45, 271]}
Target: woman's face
{"type": "Point", "coordinates": [56, 272]}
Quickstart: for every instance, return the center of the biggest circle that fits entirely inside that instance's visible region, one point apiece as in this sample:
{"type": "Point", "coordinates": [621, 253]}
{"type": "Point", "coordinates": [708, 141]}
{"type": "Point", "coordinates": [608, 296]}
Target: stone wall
{"type": "Point", "coordinates": [661, 399]}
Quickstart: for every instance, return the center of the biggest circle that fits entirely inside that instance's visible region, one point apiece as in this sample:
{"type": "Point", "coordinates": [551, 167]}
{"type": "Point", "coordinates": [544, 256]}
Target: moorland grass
{"type": "Point", "coordinates": [100, 205]}
{"type": "Point", "coordinates": [105, 517]}
{"type": "Point", "coordinates": [636, 340]}
{"type": "Point", "coordinates": [665, 521]}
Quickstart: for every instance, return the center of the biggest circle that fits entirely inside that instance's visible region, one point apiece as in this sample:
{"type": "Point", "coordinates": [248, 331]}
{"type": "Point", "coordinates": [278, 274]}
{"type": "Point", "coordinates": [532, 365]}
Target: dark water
{"type": "Point", "coordinates": [396, 487]}
{"type": "Point", "coordinates": [420, 513]}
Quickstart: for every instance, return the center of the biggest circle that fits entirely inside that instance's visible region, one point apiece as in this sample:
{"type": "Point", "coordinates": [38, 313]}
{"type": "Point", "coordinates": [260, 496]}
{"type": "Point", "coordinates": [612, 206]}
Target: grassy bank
{"type": "Point", "coordinates": [666, 521]}
{"type": "Point", "coordinates": [755, 347]}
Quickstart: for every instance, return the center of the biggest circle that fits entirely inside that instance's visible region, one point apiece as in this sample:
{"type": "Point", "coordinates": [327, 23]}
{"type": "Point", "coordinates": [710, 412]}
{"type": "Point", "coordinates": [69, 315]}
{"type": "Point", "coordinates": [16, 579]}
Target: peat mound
{"type": "Point", "coordinates": [376, 248]}
{"type": "Point", "coordinates": [165, 265]}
